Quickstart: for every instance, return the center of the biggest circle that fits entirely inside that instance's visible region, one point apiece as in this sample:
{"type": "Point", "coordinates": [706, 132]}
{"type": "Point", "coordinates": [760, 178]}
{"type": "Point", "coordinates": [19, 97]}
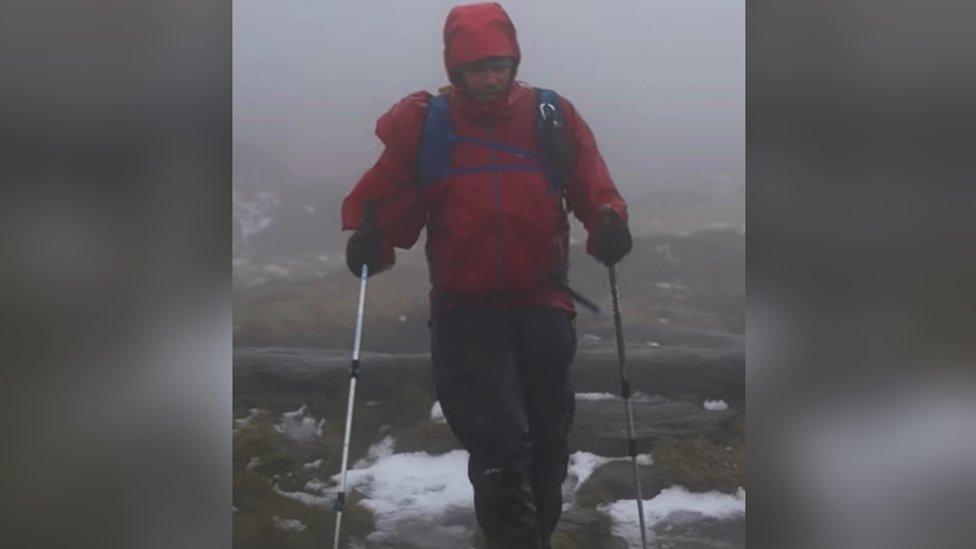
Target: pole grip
{"type": "Point", "coordinates": [369, 215]}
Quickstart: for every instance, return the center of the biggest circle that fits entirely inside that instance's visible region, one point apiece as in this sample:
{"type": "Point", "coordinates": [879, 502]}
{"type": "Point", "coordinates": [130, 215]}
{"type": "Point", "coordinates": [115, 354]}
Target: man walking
{"type": "Point", "coordinates": [491, 167]}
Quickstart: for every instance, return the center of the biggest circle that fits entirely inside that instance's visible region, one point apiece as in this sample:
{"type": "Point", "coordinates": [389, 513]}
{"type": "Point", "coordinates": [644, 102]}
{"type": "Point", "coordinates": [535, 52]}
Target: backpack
{"type": "Point", "coordinates": [438, 138]}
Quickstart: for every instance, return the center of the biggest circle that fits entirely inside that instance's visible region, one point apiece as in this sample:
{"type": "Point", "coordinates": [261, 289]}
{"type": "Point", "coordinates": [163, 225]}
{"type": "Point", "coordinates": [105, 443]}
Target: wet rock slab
{"type": "Point", "coordinates": [600, 426]}
{"type": "Point", "coordinates": [685, 373]}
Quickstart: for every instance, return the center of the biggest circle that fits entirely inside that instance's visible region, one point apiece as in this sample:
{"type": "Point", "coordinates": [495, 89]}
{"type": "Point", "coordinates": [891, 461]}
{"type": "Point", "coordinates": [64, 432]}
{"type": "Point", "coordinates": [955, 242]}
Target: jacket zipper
{"type": "Point", "coordinates": [498, 212]}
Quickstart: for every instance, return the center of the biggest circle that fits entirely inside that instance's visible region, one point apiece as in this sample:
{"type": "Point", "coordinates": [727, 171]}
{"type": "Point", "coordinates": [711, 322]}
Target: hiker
{"type": "Point", "coordinates": [492, 178]}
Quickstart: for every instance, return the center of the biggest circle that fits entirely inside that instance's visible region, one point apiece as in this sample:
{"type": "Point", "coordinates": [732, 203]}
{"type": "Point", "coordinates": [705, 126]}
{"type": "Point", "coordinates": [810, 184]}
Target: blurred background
{"type": "Point", "coordinates": [860, 378]}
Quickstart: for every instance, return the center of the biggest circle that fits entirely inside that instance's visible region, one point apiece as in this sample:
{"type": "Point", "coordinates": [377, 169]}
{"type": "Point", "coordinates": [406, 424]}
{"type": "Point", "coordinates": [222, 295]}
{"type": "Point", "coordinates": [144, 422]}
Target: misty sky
{"type": "Point", "coordinates": [662, 83]}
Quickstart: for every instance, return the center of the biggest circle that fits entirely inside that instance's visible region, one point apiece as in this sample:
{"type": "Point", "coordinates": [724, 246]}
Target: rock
{"type": "Point", "coordinates": [581, 528]}
{"type": "Point", "coordinates": [684, 373]}
{"type": "Point", "coordinates": [289, 374]}
{"type": "Point", "coordinates": [600, 426]}
{"type": "Point", "coordinates": [694, 532]}
{"type": "Point", "coordinates": [615, 480]}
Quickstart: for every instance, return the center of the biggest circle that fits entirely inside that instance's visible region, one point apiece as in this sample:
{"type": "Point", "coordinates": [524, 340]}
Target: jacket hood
{"type": "Point", "coordinates": [478, 31]}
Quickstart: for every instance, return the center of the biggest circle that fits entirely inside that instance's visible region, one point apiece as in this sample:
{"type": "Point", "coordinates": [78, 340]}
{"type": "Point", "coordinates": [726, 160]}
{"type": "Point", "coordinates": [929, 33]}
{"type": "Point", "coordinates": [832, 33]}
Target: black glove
{"type": "Point", "coordinates": [363, 247]}
{"type": "Point", "coordinates": [612, 240]}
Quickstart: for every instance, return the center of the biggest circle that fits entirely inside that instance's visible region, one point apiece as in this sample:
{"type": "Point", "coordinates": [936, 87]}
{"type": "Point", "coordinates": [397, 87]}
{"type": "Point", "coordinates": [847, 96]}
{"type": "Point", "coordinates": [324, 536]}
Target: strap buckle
{"type": "Point", "coordinates": [548, 112]}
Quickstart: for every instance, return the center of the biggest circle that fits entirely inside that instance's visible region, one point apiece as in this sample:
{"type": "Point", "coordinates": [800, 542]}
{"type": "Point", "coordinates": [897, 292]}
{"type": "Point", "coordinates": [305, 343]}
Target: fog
{"type": "Point", "coordinates": [661, 84]}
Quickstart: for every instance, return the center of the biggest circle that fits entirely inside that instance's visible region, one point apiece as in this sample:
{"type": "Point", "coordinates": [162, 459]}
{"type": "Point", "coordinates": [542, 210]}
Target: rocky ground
{"type": "Point", "coordinates": [675, 290]}
{"type": "Point", "coordinates": [408, 483]}
{"type": "Point", "coordinates": [682, 303]}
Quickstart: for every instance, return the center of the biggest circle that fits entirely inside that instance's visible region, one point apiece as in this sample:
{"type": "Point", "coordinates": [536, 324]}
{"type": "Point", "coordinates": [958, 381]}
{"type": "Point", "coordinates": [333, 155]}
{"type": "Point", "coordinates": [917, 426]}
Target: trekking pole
{"type": "Point", "coordinates": [625, 392]}
{"type": "Point", "coordinates": [340, 501]}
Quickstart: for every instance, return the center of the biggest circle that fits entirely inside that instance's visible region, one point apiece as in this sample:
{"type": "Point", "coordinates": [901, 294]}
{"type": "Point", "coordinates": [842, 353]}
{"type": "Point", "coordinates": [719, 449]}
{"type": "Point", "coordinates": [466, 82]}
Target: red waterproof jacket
{"type": "Point", "coordinates": [496, 238]}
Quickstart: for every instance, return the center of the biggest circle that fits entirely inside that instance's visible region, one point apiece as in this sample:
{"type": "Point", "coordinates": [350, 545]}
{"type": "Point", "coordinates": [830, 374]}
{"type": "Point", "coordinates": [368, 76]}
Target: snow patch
{"type": "Point", "coordinates": [298, 426]}
{"type": "Point", "coordinates": [313, 464]}
{"type": "Point", "coordinates": [582, 464]}
{"type": "Point", "coordinates": [318, 486]}
{"type": "Point", "coordinates": [671, 286]}
{"type": "Point", "coordinates": [245, 421]}
{"type": "Point", "coordinates": [277, 270]}
{"type": "Point", "coordinates": [715, 405]}
{"type": "Point", "coordinates": [302, 497]}
{"type": "Point", "coordinates": [402, 318]}
{"type": "Point", "coordinates": [253, 215]}
{"type": "Point", "coordinates": [640, 397]}
{"type": "Point", "coordinates": [381, 449]}
{"type": "Point", "coordinates": [437, 413]}
{"type": "Point", "coordinates": [252, 463]}
{"type": "Point", "coordinates": [595, 396]}
{"type": "Point", "coordinates": [309, 208]}
{"type": "Point", "coordinates": [254, 225]}
{"type": "Point", "coordinates": [289, 525]}
{"type": "Point", "coordinates": [672, 500]}
{"type": "Point", "coordinates": [403, 490]}
{"type": "Point", "coordinates": [591, 337]}
{"type": "Point", "coordinates": [665, 250]}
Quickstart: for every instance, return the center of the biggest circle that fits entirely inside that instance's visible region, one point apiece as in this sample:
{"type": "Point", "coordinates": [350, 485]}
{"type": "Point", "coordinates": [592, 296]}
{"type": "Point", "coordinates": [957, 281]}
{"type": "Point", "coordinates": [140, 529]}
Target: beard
{"type": "Point", "coordinates": [488, 94]}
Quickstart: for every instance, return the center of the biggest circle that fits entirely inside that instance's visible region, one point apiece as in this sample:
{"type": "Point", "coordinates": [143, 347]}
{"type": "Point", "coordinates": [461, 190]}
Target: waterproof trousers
{"type": "Point", "coordinates": [502, 378]}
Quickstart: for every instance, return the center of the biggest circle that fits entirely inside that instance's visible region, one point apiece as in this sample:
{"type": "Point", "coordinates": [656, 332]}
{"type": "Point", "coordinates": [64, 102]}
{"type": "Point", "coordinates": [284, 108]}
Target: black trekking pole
{"type": "Point", "coordinates": [340, 501]}
{"type": "Point", "coordinates": [625, 392]}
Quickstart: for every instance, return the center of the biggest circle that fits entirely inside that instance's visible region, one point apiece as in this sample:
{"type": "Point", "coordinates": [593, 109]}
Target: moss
{"type": "Point", "coordinates": [701, 463]}
{"type": "Point", "coordinates": [257, 501]}
{"type": "Point", "coordinates": [256, 439]}
{"type": "Point", "coordinates": [256, 531]}
{"type": "Point", "coordinates": [278, 464]}
{"type": "Point", "coordinates": [592, 533]}
{"type": "Point", "coordinates": [411, 403]}
{"type": "Point", "coordinates": [591, 494]}
{"type": "Point", "coordinates": [332, 433]}
{"type": "Point", "coordinates": [259, 454]}
{"type": "Point", "coordinates": [478, 540]}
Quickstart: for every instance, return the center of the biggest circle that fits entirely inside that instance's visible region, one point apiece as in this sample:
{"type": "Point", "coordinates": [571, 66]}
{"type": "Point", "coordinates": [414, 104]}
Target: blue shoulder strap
{"type": "Point", "coordinates": [551, 128]}
{"type": "Point", "coordinates": [437, 140]}
{"type": "Point", "coordinates": [435, 147]}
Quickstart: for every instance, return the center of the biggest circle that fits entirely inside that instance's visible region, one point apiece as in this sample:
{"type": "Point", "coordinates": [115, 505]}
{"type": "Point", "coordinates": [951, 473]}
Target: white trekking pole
{"type": "Point", "coordinates": [340, 500]}
{"type": "Point", "coordinates": [353, 376]}
{"type": "Point", "coordinates": [625, 392]}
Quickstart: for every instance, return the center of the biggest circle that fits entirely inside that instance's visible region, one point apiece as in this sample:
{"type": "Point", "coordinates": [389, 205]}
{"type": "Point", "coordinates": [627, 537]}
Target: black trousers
{"type": "Point", "coordinates": [502, 378]}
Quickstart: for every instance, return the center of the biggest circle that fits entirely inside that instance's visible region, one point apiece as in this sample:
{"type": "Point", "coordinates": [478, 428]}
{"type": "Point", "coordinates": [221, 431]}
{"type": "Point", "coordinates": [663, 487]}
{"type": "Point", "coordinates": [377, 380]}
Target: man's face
{"type": "Point", "coordinates": [488, 78]}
